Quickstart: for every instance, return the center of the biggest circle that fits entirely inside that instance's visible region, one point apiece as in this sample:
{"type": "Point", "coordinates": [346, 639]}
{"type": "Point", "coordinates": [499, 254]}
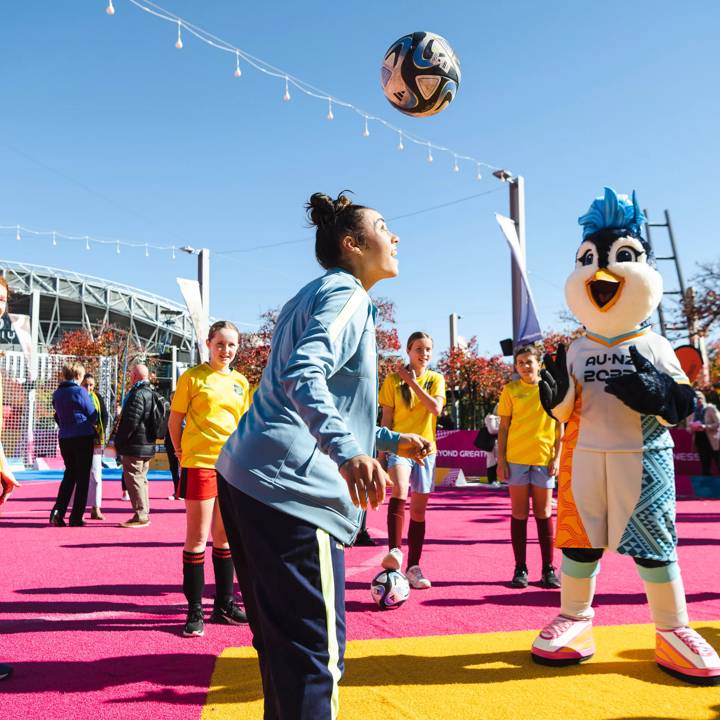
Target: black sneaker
{"type": "Point", "coordinates": [195, 623]}
{"type": "Point", "coordinates": [549, 578]}
{"type": "Point", "coordinates": [520, 578]}
{"type": "Point", "coordinates": [228, 614]}
{"type": "Point", "coordinates": [5, 671]}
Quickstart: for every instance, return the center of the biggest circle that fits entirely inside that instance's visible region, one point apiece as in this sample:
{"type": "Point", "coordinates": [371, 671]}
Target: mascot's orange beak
{"type": "Point", "coordinates": [603, 289]}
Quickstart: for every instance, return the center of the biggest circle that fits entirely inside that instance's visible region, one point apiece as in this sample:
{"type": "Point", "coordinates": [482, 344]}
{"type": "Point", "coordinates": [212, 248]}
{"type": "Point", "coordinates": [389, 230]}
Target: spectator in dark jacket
{"type": "Point", "coordinates": [135, 441]}
{"type": "Point", "coordinates": [76, 416]}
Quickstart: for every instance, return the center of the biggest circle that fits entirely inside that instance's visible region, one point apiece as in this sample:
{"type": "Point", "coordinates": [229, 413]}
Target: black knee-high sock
{"type": "Point", "coordinates": [518, 535]}
{"type": "Point", "coordinates": [545, 538]}
{"type": "Point", "coordinates": [193, 576]}
{"type": "Point", "coordinates": [416, 538]}
{"type": "Point", "coordinates": [223, 567]}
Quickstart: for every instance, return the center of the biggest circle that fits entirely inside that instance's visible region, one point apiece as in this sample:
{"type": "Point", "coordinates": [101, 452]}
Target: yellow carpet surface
{"type": "Point", "coordinates": [487, 676]}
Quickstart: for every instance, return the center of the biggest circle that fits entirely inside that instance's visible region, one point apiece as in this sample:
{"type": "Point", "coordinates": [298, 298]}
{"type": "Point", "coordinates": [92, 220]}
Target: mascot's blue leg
{"type": "Point", "coordinates": [568, 639]}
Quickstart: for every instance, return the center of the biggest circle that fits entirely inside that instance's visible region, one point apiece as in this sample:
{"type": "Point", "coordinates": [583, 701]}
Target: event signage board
{"type": "Point", "coordinates": [456, 450]}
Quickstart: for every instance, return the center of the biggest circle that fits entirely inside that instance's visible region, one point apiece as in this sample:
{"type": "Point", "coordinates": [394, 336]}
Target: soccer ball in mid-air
{"type": "Point", "coordinates": [389, 588]}
{"type": "Point", "coordinates": [420, 74]}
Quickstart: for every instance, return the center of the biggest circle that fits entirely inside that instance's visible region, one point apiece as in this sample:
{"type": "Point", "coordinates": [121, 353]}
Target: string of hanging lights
{"type": "Point", "coordinates": [289, 80]}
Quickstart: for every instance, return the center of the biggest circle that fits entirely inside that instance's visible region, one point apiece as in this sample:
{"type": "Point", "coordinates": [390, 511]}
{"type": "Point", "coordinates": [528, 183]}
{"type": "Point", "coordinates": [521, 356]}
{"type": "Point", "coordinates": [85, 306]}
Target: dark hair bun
{"type": "Point", "coordinates": [322, 209]}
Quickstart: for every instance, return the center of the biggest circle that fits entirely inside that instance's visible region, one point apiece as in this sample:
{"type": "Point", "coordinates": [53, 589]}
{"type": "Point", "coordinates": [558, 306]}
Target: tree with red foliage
{"type": "Point", "coordinates": [388, 342]}
{"type": "Point", "coordinates": [254, 348]}
{"type": "Point", "coordinates": [473, 381]}
{"type": "Point", "coordinates": [83, 343]}
{"type": "Point", "coordinates": [554, 338]}
{"type": "Point", "coordinates": [703, 306]}
{"type": "Point", "coordinates": [108, 341]}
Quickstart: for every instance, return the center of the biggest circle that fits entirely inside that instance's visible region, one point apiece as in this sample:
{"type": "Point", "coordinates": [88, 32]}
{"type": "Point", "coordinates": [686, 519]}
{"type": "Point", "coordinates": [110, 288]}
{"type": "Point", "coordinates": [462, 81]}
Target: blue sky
{"type": "Point", "coordinates": [110, 131]}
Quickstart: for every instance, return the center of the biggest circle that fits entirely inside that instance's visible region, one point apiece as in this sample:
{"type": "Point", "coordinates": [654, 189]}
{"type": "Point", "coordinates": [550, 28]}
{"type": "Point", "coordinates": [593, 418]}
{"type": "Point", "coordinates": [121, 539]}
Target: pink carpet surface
{"type": "Point", "coordinates": [91, 617]}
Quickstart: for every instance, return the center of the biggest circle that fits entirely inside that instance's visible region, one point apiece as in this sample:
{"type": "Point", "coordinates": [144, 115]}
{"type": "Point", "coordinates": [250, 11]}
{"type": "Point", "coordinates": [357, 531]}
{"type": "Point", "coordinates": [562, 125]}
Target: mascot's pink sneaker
{"type": "Point", "coordinates": [564, 642]}
{"type": "Point", "coordinates": [684, 654]}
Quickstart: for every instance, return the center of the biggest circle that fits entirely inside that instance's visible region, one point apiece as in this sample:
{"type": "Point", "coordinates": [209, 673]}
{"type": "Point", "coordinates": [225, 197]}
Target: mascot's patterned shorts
{"type": "Point", "coordinates": [617, 390]}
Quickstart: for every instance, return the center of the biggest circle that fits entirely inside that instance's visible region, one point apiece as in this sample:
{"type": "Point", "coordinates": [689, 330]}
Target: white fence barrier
{"type": "Point", "coordinates": [29, 429]}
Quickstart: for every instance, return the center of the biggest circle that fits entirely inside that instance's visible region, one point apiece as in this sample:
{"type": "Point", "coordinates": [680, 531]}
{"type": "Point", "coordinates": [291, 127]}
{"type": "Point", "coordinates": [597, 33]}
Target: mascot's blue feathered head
{"type": "Point", "coordinates": [613, 211]}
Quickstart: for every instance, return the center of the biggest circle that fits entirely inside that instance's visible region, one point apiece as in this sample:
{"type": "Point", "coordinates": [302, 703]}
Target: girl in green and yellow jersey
{"type": "Point", "coordinates": [411, 401]}
{"type": "Point", "coordinates": [210, 399]}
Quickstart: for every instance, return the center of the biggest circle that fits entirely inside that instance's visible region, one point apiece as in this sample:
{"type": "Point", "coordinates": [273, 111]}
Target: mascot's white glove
{"type": "Point", "coordinates": [651, 392]}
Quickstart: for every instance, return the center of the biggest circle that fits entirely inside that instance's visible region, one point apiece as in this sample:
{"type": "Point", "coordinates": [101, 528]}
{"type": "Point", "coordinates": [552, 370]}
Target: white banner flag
{"type": "Point", "coordinates": [190, 290]}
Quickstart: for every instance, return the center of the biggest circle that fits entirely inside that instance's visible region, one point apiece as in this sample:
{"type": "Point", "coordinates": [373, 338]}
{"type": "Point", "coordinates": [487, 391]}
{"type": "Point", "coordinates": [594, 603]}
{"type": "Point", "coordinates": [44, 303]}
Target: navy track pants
{"type": "Point", "coordinates": [292, 579]}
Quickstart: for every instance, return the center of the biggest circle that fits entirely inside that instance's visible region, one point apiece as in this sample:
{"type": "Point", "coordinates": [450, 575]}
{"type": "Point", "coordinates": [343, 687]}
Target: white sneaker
{"type": "Point", "coordinates": [393, 560]}
{"type": "Point", "coordinates": [685, 654]}
{"type": "Point", "coordinates": [416, 579]}
{"type": "Point", "coordinates": [564, 641]}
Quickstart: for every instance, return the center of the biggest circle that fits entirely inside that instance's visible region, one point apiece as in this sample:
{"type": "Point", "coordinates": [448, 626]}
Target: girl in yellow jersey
{"type": "Point", "coordinates": [411, 401]}
{"type": "Point", "coordinates": [528, 451]}
{"type": "Point", "coordinates": [210, 399]}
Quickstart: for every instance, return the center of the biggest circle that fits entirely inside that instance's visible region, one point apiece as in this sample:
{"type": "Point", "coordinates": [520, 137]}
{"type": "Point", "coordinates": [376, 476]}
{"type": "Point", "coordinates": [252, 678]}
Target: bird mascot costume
{"type": "Point", "coordinates": [618, 388]}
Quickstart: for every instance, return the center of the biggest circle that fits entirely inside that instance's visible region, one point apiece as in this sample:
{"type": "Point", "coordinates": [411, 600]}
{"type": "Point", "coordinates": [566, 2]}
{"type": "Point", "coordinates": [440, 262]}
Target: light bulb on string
{"type": "Point", "coordinates": [456, 167]}
{"type": "Point", "coordinates": [110, 10]}
{"type": "Point", "coordinates": [17, 233]}
{"type": "Point", "coordinates": [429, 155]}
{"type": "Point", "coordinates": [400, 145]}
{"type": "Point", "coordinates": [330, 115]}
{"type": "Point", "coordinates": [147, 250]}
{"type": "Point", "coordinates": [366, 129]}
{"type": "Point", "coordinates": [179, 42]}
{"type": "Point", "coordinates": [54, 239]}
{"type": "Point", "coordinates": [238, 71]}
{"type": "Point", "coordinates": [286, 94]}
{"type": "Point", "coordinates": [478, 175]}
{"type": "Point", "coordinates": [117, 247]}
{"type": "Point", "coordinates": [173, 252]}
{"type": "Point", "coordinates": [87, 242]}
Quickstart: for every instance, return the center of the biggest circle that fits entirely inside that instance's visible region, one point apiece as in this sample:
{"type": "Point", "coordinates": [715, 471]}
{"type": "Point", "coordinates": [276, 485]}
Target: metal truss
{"type": "Point", "coordinates": [69, 301]}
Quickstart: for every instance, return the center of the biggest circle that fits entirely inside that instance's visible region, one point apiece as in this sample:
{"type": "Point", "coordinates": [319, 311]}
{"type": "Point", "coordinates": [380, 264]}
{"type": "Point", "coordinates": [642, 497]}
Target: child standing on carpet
{"type": "Point", "coordinates": [528, 450]}
{"type": "Point", "coordinates": [210, 398]}
{"type": "Point", "coordinates": [411, 400]}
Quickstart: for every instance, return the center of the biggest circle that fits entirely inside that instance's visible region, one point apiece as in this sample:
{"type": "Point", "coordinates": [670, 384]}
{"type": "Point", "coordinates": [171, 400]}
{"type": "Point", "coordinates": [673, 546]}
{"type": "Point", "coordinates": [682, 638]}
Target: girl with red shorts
{"type": "Point", "coordinates": [210, 399]}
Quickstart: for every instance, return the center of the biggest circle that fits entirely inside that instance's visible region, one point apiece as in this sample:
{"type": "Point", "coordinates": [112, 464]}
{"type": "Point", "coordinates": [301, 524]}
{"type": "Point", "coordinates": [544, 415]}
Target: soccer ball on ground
{"type": "Point", "coordinates": [420, 74]}
{"type": "Point", "coordinates": [389, 588]}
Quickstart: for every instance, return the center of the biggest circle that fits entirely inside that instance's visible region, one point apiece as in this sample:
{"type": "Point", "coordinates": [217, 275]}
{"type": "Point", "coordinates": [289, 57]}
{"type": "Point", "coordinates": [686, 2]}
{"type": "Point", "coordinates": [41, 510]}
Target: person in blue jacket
{"type": "Point", "coordinates": [296, 475]}
{"type": "Point", "coordinates": [76, 417]}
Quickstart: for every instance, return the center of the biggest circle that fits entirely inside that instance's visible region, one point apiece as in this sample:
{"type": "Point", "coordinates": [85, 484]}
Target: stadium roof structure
{"type": "Point", "coordinates": [70, 301]}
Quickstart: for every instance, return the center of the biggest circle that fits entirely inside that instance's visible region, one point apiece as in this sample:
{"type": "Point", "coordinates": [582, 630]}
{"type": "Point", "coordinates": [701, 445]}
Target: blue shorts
{"type": "Point", "coordinates": [422, 477]}
{"type": "Point", "coordinates": [537, 475]}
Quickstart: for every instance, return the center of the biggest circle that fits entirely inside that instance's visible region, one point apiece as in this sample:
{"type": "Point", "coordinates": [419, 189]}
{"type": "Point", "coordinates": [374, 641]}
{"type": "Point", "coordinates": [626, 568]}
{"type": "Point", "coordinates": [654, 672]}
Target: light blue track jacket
{"type": "Point", "coordinates": [315, 408]}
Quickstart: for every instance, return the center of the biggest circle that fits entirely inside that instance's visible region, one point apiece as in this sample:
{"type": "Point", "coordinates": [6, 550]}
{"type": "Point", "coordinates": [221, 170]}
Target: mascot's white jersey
{"type": "Point", "coordinates": [616, 485]}
{"type": "Point", "coordinates": [606, 423]}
